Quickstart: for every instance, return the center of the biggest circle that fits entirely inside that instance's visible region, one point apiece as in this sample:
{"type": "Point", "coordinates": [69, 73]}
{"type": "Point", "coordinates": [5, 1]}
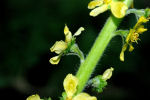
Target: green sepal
{"type": "Point", "coordinates": [73, 49]}
{"type": "Point", "coordinates": [47, 98]}
{"type": "Point", "coordinates": [147, 12]}
{"type": "Point", "coordinates": [64, 96]}
{"type": "Point", "coordinates": [109, 7]}
{"type": "Point", "coordinates": [70, 44]}
{"type": "Point", "coordinates": [97, 83]}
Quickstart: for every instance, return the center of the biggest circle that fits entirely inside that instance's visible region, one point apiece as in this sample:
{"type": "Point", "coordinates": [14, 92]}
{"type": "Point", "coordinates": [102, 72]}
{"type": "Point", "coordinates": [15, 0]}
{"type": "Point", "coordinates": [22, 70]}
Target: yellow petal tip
{"type": "Point", "coordinates": [94, 3]}
{"type": "Point", "coordinates": [66, 29]}
{"type": "Point", "coordinates": [99, 10]}
{"type": "Point", "coordinates": [122, 56]}
{"type": "Point", "coordinates": [54, 60]}
{"type": "Point", "coordinates": [79, 31]}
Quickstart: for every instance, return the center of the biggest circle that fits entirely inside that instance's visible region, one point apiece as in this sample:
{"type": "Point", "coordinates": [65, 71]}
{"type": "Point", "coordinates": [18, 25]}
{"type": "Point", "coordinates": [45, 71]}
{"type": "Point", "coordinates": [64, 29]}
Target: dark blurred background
{"type": "Point", "coordinates": [28, 28]}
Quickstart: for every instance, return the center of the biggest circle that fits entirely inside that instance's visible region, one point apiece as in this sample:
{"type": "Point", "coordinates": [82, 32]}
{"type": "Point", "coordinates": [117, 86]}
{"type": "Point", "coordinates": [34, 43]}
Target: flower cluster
{"type": "Point", "coordinates": [133, 36]}
{"type": "Point", "coordinates": [70, 85]}
{"type": "Point", "coordinates": [117, 8]}
{"type": "Point", "coordinates": [62, 47]}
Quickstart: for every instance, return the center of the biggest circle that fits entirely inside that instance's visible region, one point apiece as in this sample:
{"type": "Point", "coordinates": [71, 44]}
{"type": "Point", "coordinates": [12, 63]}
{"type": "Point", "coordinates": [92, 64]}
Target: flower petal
{"type": "Point", "coordinates": [55, 60]}
{"type": "Point", "coordinates": [34, 97]}
{"type": "Point", "coordinates": [118, 9]}
{"type": "Point", "coordinates": [141, 29]}
{"type": "Point", "coordinates": [84, 96]}
{"type": "Point", "coordinates": [94, 4]}
{"type": "Point", "coordinates": [142, 19]}
{"type": "Point", "coordinates": [68, 34]}
{"type": "Point", "coordinates": [122, 52]}
{"type": "Point", "coordinates": [107, 1]}
{"type": "Point", "coordinates": [122, 56]}
{"type": "Point", "coordinates": [58, 47]}
{"type": "Point", "coordinates": [131, 48]}
{"type": "Point", "coordinates": [79, 31]}
{"type": "Point", "coordinates": [128, 38]}
{"type": "Point", "coordinates": [70, 84]}
{"type": "Point", "coordinates": [98, 10]}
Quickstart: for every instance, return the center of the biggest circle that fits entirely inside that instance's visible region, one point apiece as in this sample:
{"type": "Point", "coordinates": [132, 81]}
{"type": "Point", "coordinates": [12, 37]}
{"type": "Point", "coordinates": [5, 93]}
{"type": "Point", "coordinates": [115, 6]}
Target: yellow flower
{"type": "Point", "coordinates": [107, 74]}
{"type": "Point", "coordinates": [60, 46]}
{"type": "Point", "coordinates": [34, 97]}
{"type": "Point", "coordinates": [118, 8]}
{"type": "Point", "coordinates": [133, 36]}
{"type": "Point", "coordinates": [70, 85]}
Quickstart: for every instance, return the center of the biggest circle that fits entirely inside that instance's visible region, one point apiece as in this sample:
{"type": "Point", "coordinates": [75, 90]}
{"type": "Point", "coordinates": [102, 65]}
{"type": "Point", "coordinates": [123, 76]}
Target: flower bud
{"type": "Point", "coordinates": [107, 74]}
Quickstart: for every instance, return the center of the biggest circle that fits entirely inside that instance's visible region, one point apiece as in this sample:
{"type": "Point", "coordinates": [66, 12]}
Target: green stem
{"type": "Point", "coordinates": [75, 49]}
{"type": "Point", "coordinates": [139, 12]}
{"type": "Point", "coordinates": [106, 34]}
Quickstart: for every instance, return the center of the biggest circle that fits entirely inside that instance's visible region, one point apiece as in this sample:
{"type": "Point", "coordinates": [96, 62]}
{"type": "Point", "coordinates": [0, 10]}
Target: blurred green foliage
{"type": "Point", "coordinates": [30, 27]}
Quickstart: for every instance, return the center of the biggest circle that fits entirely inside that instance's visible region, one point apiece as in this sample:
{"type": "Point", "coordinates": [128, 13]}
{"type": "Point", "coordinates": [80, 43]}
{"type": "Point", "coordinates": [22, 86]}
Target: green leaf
{"type": "Point", "coordinates": [64, 96]}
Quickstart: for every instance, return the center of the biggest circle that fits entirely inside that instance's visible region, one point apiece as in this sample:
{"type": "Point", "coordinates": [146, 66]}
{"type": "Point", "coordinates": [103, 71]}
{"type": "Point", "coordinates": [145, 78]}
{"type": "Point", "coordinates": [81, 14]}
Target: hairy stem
{"type": "Point", "coordinates": [96, 52]}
